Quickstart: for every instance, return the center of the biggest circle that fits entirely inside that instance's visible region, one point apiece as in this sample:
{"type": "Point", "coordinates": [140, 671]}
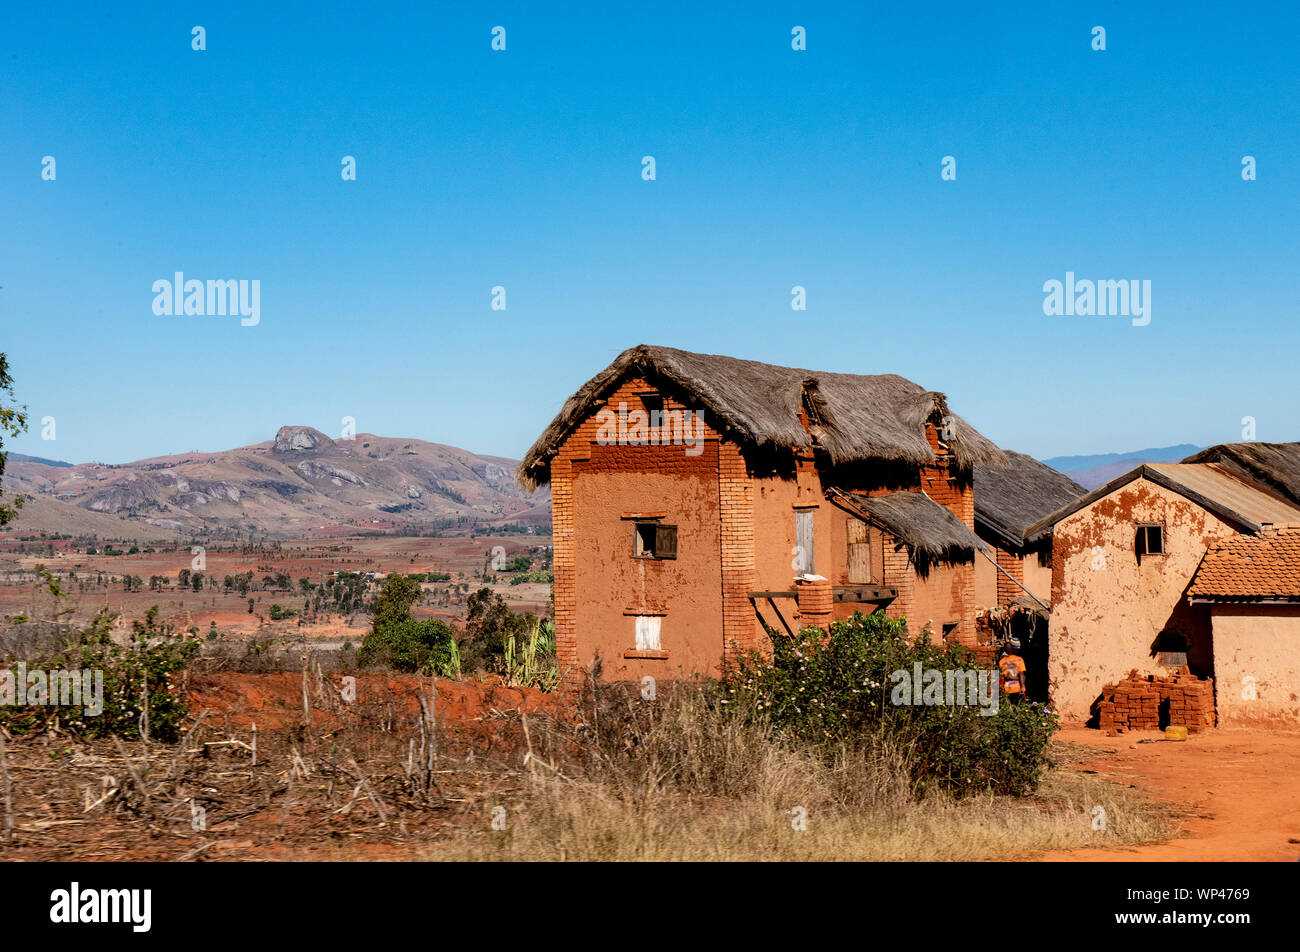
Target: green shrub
{"type": "Point", "coordinates": [153, 655]}
{"type": "Point", "coordinates": [410, 645]}
{"type": "Point", "coordinates": [829, 691]}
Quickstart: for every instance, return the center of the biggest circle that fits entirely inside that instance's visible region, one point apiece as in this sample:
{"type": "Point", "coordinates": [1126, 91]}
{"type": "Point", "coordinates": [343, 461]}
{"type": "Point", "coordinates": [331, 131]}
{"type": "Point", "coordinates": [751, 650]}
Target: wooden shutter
{"type": "Point", "coordinates": [859, 552]}
{"type": "Point", "coordinates": [803, 538]}
{"type": "Point", "coordinates": [665, 542]}
{"type": "Point", "coordinates": [647, 633]}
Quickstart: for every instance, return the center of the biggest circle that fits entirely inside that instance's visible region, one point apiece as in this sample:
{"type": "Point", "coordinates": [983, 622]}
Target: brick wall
{"type": "Point", "coordinates": [944, 485]}
{"type": "Point", "coordinates": [736, 500]}
{"type": "Point", "coordinates": [1015, 565]}
{"type": "Point", "coordinates": [900, 574]}
{"type": "Point", "coordinates": [566, 593]}
{"type": "Point", "coordinates": [584, 456]}
{"type": "Point", "coordinates": [953, 490]}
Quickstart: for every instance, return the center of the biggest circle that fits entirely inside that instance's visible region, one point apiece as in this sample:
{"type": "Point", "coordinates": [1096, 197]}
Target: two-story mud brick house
{"type": "Point", "coordinates": [698, 498]}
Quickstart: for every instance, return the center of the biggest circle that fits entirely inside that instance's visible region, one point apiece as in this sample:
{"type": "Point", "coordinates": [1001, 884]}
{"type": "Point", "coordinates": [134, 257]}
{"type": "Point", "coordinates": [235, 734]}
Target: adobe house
{"type": "Point", "coordinates": [1124, 560]}
{"type": "Point", "coordinates": [698, 498]}
{"type": "Point", "coordinates": [1251, 585]}
{"type": "Point", "coordinates": [1008, 499]}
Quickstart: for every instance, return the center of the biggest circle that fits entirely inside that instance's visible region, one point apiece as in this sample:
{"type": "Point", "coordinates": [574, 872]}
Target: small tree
{"type": "Point", "coordinates": [13, 420]}
{"type": "Point", "coordinates": [393, 605]}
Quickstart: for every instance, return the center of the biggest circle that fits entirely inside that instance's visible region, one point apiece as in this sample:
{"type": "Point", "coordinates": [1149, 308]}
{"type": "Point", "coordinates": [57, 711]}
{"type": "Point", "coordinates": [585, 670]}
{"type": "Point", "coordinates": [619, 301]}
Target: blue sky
{"type": "Point", "coordinates": [522, 169]}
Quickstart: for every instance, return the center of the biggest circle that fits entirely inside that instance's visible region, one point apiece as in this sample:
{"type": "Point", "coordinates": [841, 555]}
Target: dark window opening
{"type": "Point", "coordinates": [654, 404]}
{"type": "Point", "coordinates": [1171, 649]}
{"type": "Point", "coordinates": [653, 540]}
{"type": "Point", "coordinates": [1150, 540]}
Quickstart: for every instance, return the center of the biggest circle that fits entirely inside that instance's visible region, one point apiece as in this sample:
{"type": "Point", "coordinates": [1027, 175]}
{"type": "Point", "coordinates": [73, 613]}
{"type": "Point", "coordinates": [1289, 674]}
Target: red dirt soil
{"type": "Point", "coordinates": [274, 700]}
{"type": "Point", "coordinates": [1242, 789]}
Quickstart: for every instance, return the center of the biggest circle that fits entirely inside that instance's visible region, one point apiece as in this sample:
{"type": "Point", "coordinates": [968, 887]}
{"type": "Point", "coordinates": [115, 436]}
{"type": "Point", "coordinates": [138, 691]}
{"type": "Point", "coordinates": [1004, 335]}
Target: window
{"type": "Point", "coordinates": [653, 540]}
{"type": "Point", "coordinates": [653, 403]}
{"type": "Point", "coordinates": [647, 632]}
{"type": "Point", "coordinates": [1150, 540]}
{"type": "Point", "coordinates": [859, 552]}
{"type": "Point", "coordinates": [1171, 649]}
{"type": "Point", "coordinates": [803, 542]}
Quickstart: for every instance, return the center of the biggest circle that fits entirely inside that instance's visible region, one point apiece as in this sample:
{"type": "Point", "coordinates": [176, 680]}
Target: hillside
{"type": "Point", "coordinates": [1099, 469]}
{"type": "Point", "coordinates": [50, 515]}
{"type": "Point", "coordinates": [300, 484]}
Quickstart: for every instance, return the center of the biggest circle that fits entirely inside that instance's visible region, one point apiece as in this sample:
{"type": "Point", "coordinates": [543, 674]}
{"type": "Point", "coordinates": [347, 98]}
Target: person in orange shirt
{"type": "Point", "coordinates": [1012, 671]}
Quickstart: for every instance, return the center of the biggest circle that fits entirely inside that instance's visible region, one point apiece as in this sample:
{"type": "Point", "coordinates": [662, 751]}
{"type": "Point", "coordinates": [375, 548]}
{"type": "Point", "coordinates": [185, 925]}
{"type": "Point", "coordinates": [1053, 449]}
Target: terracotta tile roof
{"type": "Point", "coordinates": [1248, 567]}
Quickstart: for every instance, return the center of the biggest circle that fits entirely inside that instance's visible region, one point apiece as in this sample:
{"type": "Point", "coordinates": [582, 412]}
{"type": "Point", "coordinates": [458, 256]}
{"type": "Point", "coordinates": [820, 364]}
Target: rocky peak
{"type": "Point", "coordinates": [300, 439]}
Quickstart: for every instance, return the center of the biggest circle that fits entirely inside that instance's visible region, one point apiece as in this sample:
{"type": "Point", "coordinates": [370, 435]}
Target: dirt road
{"type": "Point", "coordinates": [1242, 789]}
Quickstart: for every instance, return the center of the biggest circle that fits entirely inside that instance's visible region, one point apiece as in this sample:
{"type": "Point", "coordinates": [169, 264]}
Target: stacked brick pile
{"type": "Point", "coordinates": [1136, 703]}
{"type": "Point", "coordinates": [1191, 702]}
{"type": "Point", "coordinates": [1131, 705]}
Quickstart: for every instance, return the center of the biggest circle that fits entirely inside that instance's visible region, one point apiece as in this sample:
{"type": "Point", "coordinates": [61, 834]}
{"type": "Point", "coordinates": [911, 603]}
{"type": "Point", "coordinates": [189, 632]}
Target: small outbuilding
{"type": "Point", "coordinates": [1251, 586]}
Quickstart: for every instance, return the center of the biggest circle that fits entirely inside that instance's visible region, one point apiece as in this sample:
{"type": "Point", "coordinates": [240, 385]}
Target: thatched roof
{"type": "Point", "coordinates": [1277, 465]}
{"type": "Point", "coordinates": [931, 533]}
{"type": "Point", "coordinates": [1008, 499]}
{"type": "Point", "coordinates": [853, 417]}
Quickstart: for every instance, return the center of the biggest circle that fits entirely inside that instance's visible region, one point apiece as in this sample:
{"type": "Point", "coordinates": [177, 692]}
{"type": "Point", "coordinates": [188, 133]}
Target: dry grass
{"type": "Point", "coordinates": [689, 783]}
{"type": "Point", "coordinates": [623, 780]}
{"type": "Point", "coordinates": [562, 822]}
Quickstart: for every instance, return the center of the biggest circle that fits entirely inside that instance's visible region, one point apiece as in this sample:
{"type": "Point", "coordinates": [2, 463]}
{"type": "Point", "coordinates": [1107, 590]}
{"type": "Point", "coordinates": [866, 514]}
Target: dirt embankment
{"type": "Point", "coordinates": [276, 700]}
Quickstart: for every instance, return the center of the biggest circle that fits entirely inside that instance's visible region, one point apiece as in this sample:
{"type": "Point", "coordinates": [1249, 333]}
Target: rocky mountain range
{"type": "Point", "coordinates": [300, 484]}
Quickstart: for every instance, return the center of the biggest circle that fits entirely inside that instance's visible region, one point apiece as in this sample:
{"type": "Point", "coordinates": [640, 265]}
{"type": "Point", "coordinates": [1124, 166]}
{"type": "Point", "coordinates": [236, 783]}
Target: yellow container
{"type": "Point", "coordinates": [1176, 732]}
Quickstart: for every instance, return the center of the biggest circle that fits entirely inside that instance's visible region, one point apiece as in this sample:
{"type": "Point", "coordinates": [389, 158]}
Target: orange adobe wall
{"type": "Point", "coordinates": [1108, 608]}
{"type": "Point", "coordinates": [702, 489]}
